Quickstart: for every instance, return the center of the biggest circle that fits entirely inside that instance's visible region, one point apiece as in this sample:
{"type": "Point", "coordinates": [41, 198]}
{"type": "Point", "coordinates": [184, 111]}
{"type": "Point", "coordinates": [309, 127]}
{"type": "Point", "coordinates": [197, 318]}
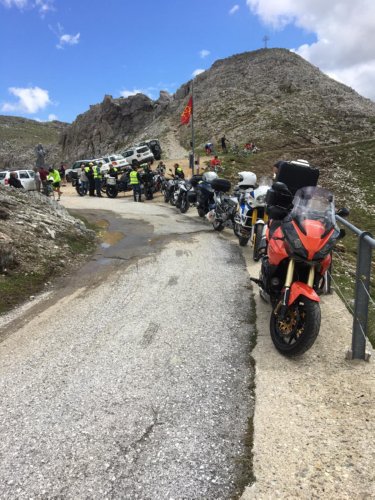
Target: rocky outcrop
{"type": "Point", "coordinates": [36, 234]}
{"type": "Point", "coordinates": [19, 137]}
{"type": "Point", "coordinates": [270, 96]}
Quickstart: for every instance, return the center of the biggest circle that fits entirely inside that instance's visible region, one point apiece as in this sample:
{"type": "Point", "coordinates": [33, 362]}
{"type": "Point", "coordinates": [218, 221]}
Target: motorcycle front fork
{"type": "Point", "coordinates": [282, 306]}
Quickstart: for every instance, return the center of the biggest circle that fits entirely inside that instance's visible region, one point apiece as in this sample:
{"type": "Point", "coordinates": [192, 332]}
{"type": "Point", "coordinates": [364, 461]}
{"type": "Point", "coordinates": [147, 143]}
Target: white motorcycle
{"type": "Point", "coordinates": [251, 215]}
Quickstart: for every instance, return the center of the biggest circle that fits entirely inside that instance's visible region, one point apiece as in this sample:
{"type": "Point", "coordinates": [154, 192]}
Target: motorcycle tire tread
{"type": "Point", "coordinates": [308, 336]}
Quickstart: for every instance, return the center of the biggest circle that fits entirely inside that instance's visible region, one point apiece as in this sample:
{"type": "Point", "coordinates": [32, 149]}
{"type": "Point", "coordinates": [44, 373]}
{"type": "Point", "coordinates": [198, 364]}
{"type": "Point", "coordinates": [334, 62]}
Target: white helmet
{"type": "Point", "coordinates": [209, 176]}
{"type": "Point", "coordinates": [247, 179]}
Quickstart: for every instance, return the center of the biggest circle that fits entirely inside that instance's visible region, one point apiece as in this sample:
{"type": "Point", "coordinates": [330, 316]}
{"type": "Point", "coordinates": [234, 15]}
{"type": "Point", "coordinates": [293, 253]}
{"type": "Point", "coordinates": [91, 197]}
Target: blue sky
{"type": "Point", "coordinates": [60, 56]}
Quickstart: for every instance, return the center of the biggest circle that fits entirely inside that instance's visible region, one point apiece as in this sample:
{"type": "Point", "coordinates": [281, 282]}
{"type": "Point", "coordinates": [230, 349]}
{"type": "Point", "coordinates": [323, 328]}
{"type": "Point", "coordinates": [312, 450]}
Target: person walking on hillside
{"type": "Point", "coordinates": [224, 144]}
{"type": "Point", "coordinates": [37, 179]}
{"type": "Point", "coordinates": [135, 183]}
{"type": "Point", "coordinates": [54, 176]}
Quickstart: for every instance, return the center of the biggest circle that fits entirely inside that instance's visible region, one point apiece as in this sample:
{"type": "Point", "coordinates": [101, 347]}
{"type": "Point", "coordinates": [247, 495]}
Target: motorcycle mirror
{"type": "Point", "coordinates": [343, 212]}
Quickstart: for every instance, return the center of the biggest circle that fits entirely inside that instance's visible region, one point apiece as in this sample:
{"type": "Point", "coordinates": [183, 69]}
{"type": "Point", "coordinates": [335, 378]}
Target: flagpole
{"type": "Point", "coordinates": [192, 125]}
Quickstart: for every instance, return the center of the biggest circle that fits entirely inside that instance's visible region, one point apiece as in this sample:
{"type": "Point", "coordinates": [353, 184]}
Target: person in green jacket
{"type": "Point", "coordinates": [135, 183]}
{"type": "Point", "coordinates": [54, 176]}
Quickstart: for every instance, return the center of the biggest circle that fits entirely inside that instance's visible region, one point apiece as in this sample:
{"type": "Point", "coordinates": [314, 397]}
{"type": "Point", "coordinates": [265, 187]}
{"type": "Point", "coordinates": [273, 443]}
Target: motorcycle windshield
{"type": "Point", "coordinates": [314, 204]}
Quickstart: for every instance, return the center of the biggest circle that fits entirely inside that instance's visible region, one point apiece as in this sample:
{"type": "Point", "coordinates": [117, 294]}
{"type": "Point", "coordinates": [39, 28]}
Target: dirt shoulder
{"type": "Point", "coordinates": [314, 415]}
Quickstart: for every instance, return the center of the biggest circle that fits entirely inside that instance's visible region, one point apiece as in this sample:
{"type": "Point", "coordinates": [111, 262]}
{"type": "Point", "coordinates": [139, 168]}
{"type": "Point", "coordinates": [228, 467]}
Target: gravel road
{"type": "Point", "coordinates": [134, 382]}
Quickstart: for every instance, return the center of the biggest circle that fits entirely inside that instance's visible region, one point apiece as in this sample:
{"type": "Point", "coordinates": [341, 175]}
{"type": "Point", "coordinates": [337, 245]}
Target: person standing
{"type": "Point", "coordinates": [54, 176]}
{"type": "Point", "coordinates": [98, 179]}
{"type": "Point", "coordinates": [37, 179]}
{"type": "Point", "coordinates": [90, 176]}
{"type": "Point", "coordinates": [135, 182]}
{"type": "Point", "coordinates": [62, 173]}
{"type": "Point", "coordinates": [224, 144]}
{"type": "Point", "coordinates": [14, 181]}
{"type": "Point", "coordinates": [178, 172]}
{"type": "Point", "coordinates": [43, 178]}
{"type": "Point", "coordinates": [83, 178]}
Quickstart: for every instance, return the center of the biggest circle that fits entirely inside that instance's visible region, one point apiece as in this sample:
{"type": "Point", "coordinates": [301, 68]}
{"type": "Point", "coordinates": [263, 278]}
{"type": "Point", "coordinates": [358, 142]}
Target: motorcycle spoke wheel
{"type": "Point", "coordinates": [295, 333]}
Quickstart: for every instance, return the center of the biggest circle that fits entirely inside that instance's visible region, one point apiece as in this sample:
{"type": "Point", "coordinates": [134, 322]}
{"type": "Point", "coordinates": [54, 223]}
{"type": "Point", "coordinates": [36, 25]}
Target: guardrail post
{"type": "Point", "coordinates": [361, 304]}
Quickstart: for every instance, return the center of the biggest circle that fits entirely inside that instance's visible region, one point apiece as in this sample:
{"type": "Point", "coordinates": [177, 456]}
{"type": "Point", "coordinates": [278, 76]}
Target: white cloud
{"type": "Point", "coordinates": [52, 117]}
{"type": "Point", "coordinates": [20, 4]}
{"type": "Point", "coordinates": [234, 9]}
{"type": "Point", "coordinates": [344, 30]}
{"type": "Point", "coordinates": [43, 6]}
{"type": "Point", "coordinates": [197, 72]}
{"type": "Point", "coordinates": [30, 100]}
{"type": "Point", "coordinates": [66, 39]}
{"type": "Point", "coordinates": [204, 53]}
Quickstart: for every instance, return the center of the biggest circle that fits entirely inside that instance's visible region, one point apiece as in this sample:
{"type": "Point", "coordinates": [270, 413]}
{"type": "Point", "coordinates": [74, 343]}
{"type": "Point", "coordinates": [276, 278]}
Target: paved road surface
{"type": "Point", "coordinates": [134, 382]}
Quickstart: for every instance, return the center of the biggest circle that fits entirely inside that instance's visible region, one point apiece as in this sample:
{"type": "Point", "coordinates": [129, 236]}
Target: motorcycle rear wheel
{"type": "Point", "coordinates": [111, 191]}
{"type": "Point", "coordinates": [257, 241]}
{"type": "Point", "coordinates": [297, 332]}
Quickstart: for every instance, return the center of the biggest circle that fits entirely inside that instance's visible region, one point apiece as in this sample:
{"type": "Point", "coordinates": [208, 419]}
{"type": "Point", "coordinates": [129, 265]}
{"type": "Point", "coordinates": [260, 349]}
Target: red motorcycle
{"type": "Point", "coordinates": [299, 252]}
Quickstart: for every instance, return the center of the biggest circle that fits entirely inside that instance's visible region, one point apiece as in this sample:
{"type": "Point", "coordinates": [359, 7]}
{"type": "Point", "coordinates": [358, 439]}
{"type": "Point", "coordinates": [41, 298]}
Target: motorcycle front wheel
{"type": "Point", "coordinates": [257, 241]}
{"type": "Point", "coordinates": [295, 333]}
{"type": "Point", "coordinates": [111, 191]}
{"type": "Point", "coordinates": [201, 212]}
{"type": "Point", "coordinates": [218, 225]}
{"type": "Point", "coordinates": [81, 190]}
{"type": "Point", "coordinates": [184, 206]}
{"type": "Point", "coordinates": [243, 240]}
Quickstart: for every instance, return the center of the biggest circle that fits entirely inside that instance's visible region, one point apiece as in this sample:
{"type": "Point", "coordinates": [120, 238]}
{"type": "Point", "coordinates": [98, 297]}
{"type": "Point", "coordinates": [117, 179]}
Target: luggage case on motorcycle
{"type": "Point", "coordinates": [195, 180]}
{"type": "Point", "coordinates": [297, 176]}
{"type": "Point", "coordinates": [192, 196]}
{"type": "Point", "coordinates": [221, 185]}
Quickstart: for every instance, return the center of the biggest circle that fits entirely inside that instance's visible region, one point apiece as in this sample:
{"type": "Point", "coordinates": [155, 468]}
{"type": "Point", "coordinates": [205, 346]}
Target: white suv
{"type": "Point", "coordinates": [138, 155]}
{"type": "Point", "coordinates": [117, 161]}
{"type": "Point", "coordinates": [27, 178]}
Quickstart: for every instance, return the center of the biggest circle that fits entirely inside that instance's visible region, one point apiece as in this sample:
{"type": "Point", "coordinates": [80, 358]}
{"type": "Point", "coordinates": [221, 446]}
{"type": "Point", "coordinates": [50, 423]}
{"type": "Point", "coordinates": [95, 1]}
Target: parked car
{"type": "Point", "coordinates": [76, 167]}
{"type": "Point", "coordinates": [27, 178]}
{"type": "Point", "coordinates": [138, 155]}
{"type": "Point", "coordinates": [154, 146]}
{"type": "Point", "coordinates": [117, 161]}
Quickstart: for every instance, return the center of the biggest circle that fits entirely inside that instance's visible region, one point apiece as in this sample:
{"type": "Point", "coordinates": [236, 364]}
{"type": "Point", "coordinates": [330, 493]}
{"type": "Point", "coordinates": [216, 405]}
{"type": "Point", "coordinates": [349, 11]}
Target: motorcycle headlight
{"type": "Point", "coordinates": [261, 199]}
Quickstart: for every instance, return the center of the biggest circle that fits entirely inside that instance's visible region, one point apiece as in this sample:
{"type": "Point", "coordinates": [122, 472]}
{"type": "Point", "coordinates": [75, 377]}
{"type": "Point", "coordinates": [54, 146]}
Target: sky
{"type": "Point", "coordinates": [57, 57]}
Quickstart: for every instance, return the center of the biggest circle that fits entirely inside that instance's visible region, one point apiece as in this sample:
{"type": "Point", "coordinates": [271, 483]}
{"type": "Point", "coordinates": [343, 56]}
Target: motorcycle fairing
{"type": "Point", "coordinates": [312, 238]}
{"type": "Point", "coordinates": [276, 247]}
{"type": "Point", "coordinates": [299, 288]}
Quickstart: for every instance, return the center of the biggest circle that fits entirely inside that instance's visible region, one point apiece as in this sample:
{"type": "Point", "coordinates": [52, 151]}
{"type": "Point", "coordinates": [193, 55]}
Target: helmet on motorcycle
{"type": "Point", "coordinates": [247, 179]}
{"type": "Point", "coordinates": [209, 176]}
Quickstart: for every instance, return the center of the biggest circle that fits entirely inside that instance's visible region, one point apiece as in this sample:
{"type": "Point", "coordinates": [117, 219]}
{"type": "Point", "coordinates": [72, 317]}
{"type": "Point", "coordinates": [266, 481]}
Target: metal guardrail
{"type": "Point", "coordinates": [366, 243]}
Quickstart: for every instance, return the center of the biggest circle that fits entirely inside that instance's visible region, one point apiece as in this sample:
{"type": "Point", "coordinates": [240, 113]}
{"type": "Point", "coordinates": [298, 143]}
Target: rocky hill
{"type": "Point", "coordinates": [270, 96]}
{"type": "Point", "coordinates": [19, 136]}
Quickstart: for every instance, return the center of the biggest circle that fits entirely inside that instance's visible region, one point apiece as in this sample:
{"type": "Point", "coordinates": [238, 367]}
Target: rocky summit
{"type": "Point", "coordinates": [272, 97]}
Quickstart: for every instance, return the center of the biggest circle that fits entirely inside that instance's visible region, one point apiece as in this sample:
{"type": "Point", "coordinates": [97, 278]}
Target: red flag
{"type": "Point", "coordinates": [186, 114]}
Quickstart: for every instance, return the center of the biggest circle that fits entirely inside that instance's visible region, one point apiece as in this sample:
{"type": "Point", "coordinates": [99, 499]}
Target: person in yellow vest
{"type": "Point", "coordinates": [98, 179]}
{"type": "Point", "coordinates": [54, 176]}
{"type": "Point", "coordinates": [135, 183]}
